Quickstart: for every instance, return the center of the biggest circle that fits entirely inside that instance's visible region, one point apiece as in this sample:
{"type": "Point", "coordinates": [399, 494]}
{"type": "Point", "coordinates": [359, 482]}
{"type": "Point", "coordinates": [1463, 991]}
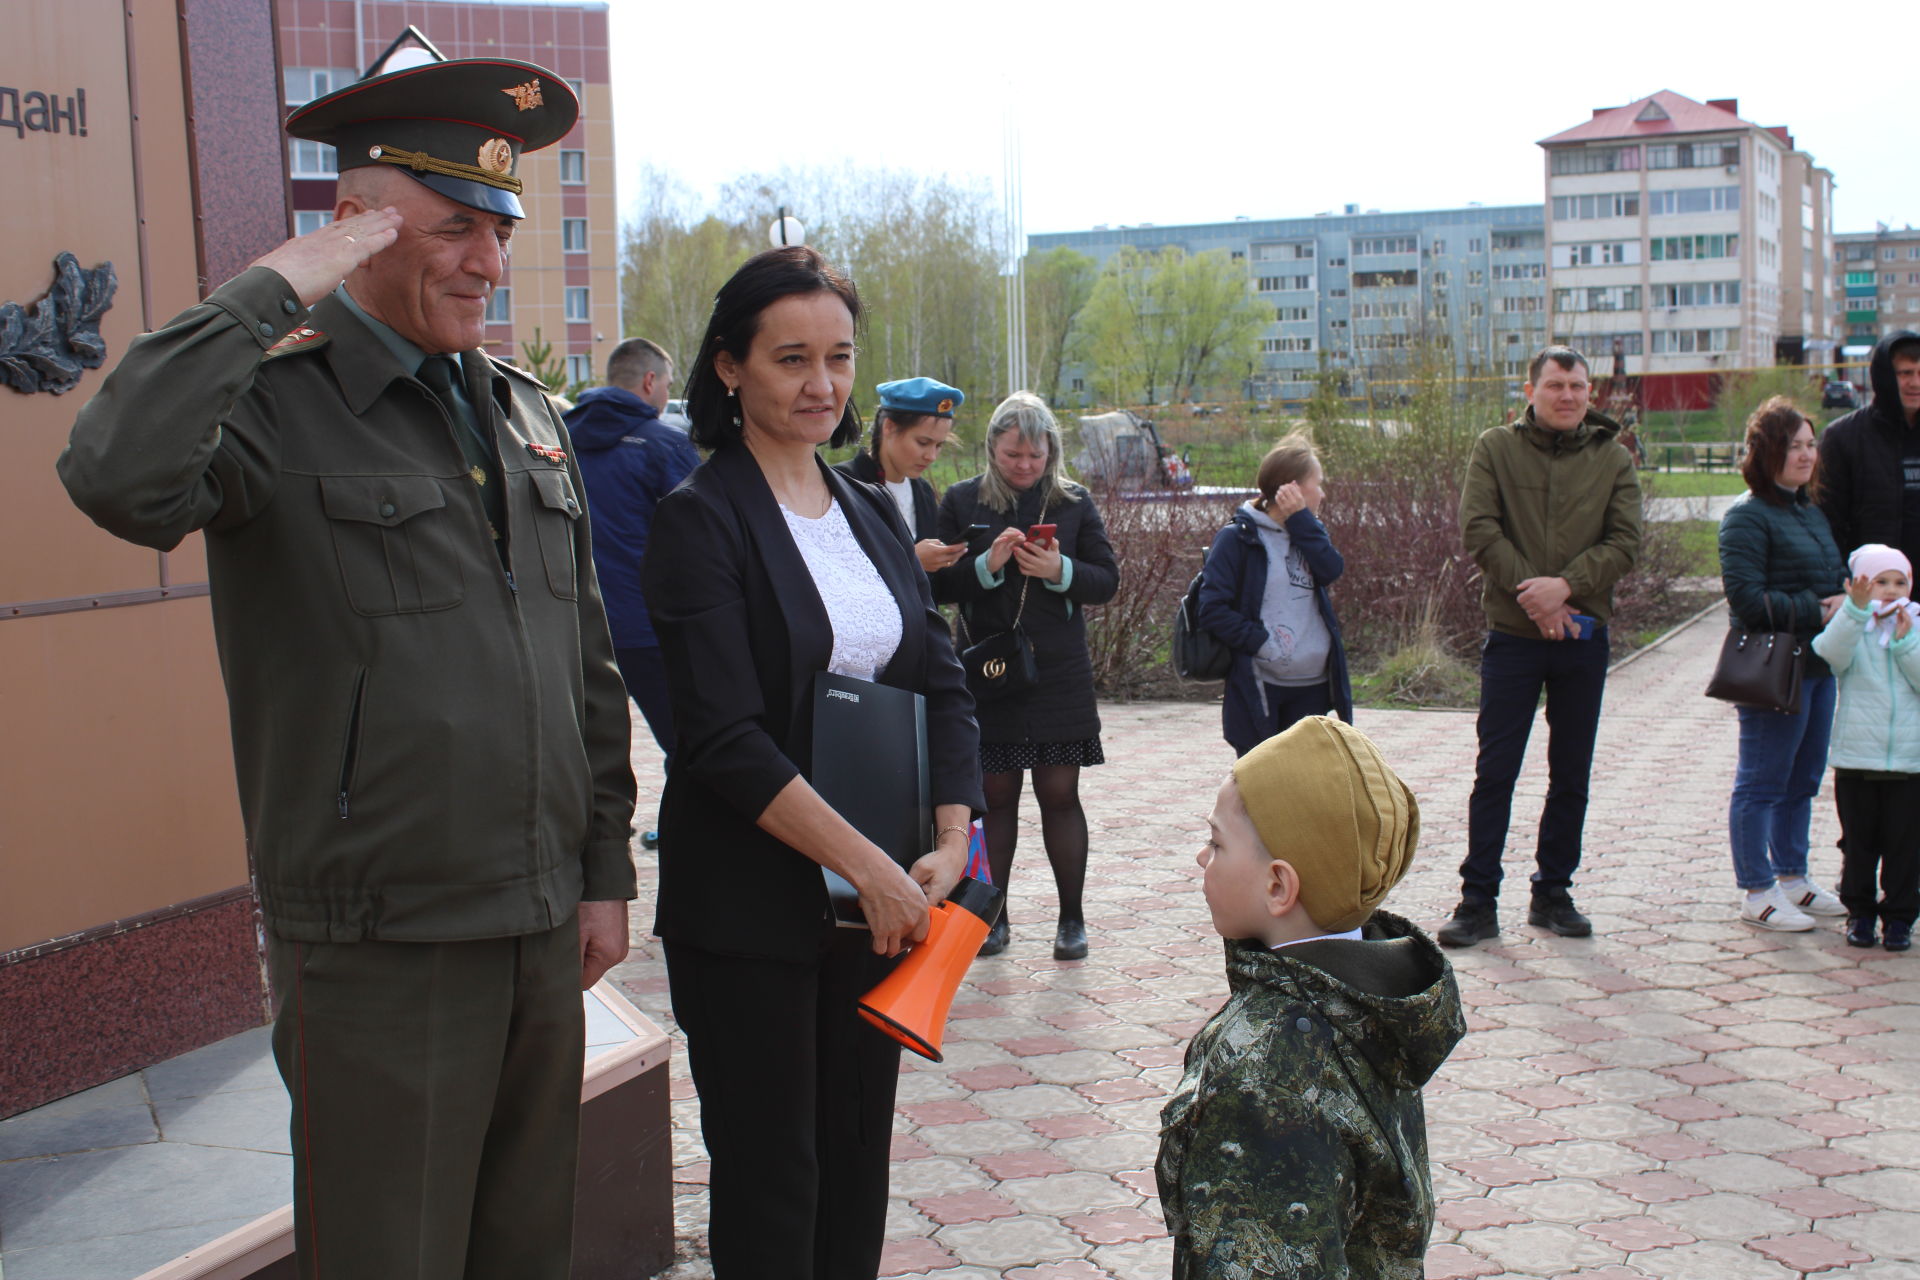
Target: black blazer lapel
{"type": "Point", "coordinates": [800, 608]}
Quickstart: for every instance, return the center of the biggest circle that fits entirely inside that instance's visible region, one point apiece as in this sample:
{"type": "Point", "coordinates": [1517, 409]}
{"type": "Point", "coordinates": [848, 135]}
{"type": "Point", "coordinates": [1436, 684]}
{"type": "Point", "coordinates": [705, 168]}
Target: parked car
{"type": "Point", "coordinates": [1839, 395]}
{"type": "Point", "coordinates": [675, 416]}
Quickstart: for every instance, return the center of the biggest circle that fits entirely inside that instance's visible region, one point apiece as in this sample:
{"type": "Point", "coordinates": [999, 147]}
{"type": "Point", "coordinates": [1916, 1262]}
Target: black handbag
{"type": "Point", "coordinates": [1762, 669]}
{"type": "Point", "coordinates": [1001, 664]}
{"type": "Point", "coordinates": [1197, 653]}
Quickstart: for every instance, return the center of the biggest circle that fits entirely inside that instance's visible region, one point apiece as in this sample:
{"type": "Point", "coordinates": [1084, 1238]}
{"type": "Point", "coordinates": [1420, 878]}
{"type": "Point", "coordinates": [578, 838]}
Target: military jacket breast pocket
{"type": "Point", "coordinates": [555, 510]}
{"type": "Point", "coordinates": [394, 540]}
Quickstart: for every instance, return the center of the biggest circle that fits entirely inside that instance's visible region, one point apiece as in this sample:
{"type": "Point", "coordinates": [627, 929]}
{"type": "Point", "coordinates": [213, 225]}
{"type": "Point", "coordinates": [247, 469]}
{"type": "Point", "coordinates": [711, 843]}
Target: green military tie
{"type": "Point", "coordinates": [439, 373]}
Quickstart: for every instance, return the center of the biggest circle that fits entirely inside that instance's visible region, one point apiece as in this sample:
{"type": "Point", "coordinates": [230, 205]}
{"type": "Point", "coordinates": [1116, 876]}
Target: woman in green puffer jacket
{"type": "Point", "coordinates": [1782, 572]}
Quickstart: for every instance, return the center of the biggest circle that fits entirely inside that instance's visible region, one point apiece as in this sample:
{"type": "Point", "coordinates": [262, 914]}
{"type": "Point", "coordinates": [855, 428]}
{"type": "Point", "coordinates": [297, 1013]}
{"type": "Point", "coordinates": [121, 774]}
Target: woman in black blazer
{"type": "Point", "coordinates": [1053, 728]}
{"type": "Point", "coordinates": [764, 567]}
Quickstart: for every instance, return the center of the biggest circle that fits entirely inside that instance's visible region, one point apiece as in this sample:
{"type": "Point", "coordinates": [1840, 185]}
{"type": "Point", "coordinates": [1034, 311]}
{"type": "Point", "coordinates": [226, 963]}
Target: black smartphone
{"type": "Point", "coordinates": [974, 533]}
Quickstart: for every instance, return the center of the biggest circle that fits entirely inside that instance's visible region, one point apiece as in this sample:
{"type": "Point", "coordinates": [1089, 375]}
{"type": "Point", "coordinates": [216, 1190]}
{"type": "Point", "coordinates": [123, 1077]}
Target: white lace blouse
{"type": "Point", "coordinates": [863, 613]}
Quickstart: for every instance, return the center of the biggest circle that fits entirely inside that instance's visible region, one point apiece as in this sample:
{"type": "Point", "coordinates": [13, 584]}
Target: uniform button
{"type": "Point", "coordinates": [572, 506]}
{"type": "Point", "coordinates": [266, 330]}
{"type": "Point", "coordinates": [287, 305]}
{"type": "Point", "coordinates": [387, 510]}
{"type": "Point", "coordinates": [1301, 1024]}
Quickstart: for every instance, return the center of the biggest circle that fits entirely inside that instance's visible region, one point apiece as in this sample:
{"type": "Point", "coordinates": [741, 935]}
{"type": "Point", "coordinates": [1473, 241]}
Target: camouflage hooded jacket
{"type": "Point", "coordinates": [1296, 1143]}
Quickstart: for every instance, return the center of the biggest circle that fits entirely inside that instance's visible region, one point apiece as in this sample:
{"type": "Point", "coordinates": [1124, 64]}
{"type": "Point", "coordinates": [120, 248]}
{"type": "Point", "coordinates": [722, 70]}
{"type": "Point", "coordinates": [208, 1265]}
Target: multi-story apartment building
{"type": "Point", "coordinates": [1361, 290]}
{"type": "Point", "coordinates": [1688, 239]}
{"type": "Point", "coordinates": [1876, 285]}
{"type": "Point", "coordinates": [562, 284]}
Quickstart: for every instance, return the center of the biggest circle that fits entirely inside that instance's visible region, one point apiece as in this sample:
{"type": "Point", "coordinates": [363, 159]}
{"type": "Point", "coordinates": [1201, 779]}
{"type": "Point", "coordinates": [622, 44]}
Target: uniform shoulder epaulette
{"type": "Point", "coordinates": [505, 366]}
{"type": "Point", "coordinates": [305, 338]}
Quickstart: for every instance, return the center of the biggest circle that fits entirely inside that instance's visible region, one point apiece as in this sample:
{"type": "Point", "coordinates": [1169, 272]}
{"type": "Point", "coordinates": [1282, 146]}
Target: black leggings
{"type": "Point", "coordinates": [1063, 828]}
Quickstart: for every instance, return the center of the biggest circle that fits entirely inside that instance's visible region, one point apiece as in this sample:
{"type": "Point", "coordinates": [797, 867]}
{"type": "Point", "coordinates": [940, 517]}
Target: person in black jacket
{"type": "Point", "coordinates": [765, 567]}
{"type": "Point", "coordinates": [911, 426]}
{"type": "Point", "coordinates": [1288, 659]}
{"type": "Point", "coordinates": [1870, 458]}
{"type": "Point", "coordinates": [1043, 586]}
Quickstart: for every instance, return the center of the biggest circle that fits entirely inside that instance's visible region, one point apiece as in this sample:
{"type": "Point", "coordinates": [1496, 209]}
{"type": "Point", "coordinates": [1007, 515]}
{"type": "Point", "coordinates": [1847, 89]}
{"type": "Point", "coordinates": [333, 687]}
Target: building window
{"type": "Point", "coordinates": [1285, 314]}
{"type": "Point", "coordinates": [573, 167]}
{"type": "Point", "coordinates": [1889, 254]}
{"type": "Point", "coordinates": [500, 306]}
{"type": "Point", "coordinates": [1079, 384]}
{"type": "Point", "coordinates": [1336, 293]}
{"type": "Point", "coordinates": [1440, 279]}
{"type": "Point", "coordinates": [1519, 271]}
{"type": "Point", "coordinates": [1889, 277]}
{"type": "Point", "coordinates": [1601, 253]}
{"type": "Point", "coordinates": [1290, 252]}
{"type": "Point", "coordinates": [1439, 246]}
{"type": "Point", "coordinates": [1504, 241]}
{"type": "Point", "coordinates": [1596, 159]}
{"type": "Point", "coordinates": [1702, 293]}
{"type": "Point", "coordinates": [1239, 255]}
{"type": "Point", "coordinates": [1336, 262]}
{"type": "Point", "coordinates": [1281, 284]}
{"type": "Point", "coordinates": [308, 220]}
{"type": "Point", "coordinates": [304, 84]}
{"type": "Point", "coordinates": [1622, 204]}
{"type": "Point", "coordinates": [579, 303]}
{"type": "Point", "coordinates": [1528, 302]}
{"type": "Point", "coordinates": [1605, 298]}
{"type": "Point", "coordinates": [312, 159]}
{"type": "Point", "coordinates": [1694, 155]}
{"type": "Point", "coordinates": [1671, 342]}
{"type": "Point", "coordinates": [573, 235]}
{"type": "Point", "coordinates": [1386, 244]}
{"type": "Point", "coordinates": [1385, 279]}
{"type": "Point", "coordinates": [1382, 310]}
{"type": "Point", "coordinates": [1275, 346]}
{"type": "Point", "coordinates": [1475, 278]}
{"type": "Point", "coordinates": [1695, 200]}
{"type": "Point", "coordinates": [579, 369]}
{"type": "Point", "coordinates": [1476, 309]}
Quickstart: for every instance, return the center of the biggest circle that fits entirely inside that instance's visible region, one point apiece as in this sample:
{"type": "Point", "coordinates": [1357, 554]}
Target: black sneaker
{"type": "Point", "coordinates": [1898, 935]}
{"type": "Point", "coordinates": [1860, 931]}
{"type": "Point", "coordinates": [1471, 923]}
{"type": "Point", "coordinates": [1559, 915]}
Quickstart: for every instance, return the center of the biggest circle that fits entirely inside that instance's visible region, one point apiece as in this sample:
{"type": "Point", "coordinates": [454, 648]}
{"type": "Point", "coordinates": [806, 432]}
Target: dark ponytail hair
{"type": "Point", "coordinates": [760, 282]}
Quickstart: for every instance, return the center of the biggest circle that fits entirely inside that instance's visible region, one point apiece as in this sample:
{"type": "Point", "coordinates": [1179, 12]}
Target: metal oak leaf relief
{"type": "Point", "coordinates": [45, 345]}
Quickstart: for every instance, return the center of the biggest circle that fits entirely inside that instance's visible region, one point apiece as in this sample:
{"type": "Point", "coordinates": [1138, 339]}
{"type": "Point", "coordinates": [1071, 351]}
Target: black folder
{"type": "Point", "coordinates": [870, 765]}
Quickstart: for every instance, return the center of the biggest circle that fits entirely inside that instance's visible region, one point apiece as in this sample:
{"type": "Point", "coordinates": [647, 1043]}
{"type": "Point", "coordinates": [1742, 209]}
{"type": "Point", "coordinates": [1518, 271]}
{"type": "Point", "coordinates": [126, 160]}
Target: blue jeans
{"type": "Point", "coordinates": [1514, 671]}
{"type": "Point", "coordinates": [1782, 758]}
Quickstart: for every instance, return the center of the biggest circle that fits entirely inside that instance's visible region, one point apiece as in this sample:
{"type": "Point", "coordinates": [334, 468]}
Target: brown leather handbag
{"type": "Point", "coordinates": [1762, 669]}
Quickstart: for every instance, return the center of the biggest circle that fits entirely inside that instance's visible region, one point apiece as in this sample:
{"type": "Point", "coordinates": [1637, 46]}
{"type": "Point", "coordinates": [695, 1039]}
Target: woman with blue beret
{"type": "Point", "coordinates": [914, 422]}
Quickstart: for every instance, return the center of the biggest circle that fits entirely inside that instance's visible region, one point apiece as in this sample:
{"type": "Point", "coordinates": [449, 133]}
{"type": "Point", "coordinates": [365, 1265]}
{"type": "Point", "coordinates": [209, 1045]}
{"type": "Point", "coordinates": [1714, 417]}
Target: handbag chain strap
{"type": "Point", "coordinates": [1020, 609]}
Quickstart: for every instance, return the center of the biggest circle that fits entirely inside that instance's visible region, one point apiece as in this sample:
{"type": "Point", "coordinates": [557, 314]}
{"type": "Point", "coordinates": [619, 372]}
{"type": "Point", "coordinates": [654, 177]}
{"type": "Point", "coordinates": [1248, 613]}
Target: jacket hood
{"type": "Point", "coordinates": [1391, 996]}
{"type": "Point", "coordinates": [1253, 518]}
{"type": "Point", "coordinates": [600, 418]}
{"type": "Point", "coordinates": [1886, 390]}
{"type": "Point", "coordinates": [1596, 426]}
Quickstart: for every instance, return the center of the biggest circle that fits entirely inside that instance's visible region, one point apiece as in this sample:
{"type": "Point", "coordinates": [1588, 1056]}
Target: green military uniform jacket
{"type": "Point", "coordinates": [1295, 1145]}
{"type": "Point", "coordinates": [1545, 503]}
{"type": "Point", "coordinates": [431, 739]}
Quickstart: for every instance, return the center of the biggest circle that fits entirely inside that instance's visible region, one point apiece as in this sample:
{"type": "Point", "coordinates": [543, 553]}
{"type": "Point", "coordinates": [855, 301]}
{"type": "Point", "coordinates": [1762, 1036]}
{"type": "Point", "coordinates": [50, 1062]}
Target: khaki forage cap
{"type": "Point", "coordinates": [1322, 798]}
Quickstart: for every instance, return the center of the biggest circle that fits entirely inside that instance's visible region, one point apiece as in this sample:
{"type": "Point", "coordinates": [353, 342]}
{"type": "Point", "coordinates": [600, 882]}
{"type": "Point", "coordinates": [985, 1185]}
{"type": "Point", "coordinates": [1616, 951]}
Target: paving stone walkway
{"type": "Point", "coordinates": [1680, 1096]}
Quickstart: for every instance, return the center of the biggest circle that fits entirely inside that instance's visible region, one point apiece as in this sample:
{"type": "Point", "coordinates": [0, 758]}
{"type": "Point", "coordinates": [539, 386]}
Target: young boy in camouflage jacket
{"type": "Point", "coordinates": [1296, 1144]}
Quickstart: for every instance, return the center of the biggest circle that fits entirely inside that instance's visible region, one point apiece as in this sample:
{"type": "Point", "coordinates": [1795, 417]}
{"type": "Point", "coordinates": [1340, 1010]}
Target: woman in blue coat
{"type": "Point", "coordinates": [1288, 661]}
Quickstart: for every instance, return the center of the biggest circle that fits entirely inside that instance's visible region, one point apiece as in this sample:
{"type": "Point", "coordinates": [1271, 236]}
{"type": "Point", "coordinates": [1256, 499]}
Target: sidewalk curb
{"type": "Point", "coordinates": [1664, 636]}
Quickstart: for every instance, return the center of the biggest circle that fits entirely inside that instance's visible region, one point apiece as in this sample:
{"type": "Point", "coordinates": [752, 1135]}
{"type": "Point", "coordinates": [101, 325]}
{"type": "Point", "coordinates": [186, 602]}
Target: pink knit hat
{"type": "Point", "coordinates": [1871, 559]}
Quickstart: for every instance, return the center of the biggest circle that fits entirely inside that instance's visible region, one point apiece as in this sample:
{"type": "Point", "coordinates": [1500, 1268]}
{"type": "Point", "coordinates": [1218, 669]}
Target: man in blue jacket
{"type": "Point", "coordinates": [630, 460]}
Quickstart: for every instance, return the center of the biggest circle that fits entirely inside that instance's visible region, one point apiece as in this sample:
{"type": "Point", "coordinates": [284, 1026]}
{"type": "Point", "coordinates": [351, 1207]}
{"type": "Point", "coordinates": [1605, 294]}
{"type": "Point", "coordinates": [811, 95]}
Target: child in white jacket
{"type": "Point", "coordinates": [1873, 647]}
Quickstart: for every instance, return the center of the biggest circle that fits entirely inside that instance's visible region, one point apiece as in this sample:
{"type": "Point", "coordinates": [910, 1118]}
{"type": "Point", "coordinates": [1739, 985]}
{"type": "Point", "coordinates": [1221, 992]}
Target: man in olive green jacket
{"type": "Point", "coordinates": [430, 733]}
{"type": "Point", "coordinates": [1551, 514]}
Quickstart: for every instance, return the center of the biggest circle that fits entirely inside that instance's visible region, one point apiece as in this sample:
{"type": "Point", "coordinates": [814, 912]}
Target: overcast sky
{"type": "Point", "coordinates": [1199, 110]}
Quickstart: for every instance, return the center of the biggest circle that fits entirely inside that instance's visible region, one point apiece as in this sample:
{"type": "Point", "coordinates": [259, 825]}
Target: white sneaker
{"type": "Point", "coordinates": [1771, 910]}
{"type": "Point", "coordinates": [1807, 894]}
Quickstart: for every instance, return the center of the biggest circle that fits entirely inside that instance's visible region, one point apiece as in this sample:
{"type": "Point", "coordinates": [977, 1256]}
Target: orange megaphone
{"type": "Point", "coordinates": [911, 1003]}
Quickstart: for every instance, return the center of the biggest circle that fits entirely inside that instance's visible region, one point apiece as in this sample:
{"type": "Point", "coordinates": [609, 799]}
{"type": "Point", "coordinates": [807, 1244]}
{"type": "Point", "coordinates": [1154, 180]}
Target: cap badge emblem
{"type": "Point", "coordinates": [526, 96]}
{"type": "Point", "coordinates": [496, 156]}
{"type": "Point", "coordinates": [946, 406]}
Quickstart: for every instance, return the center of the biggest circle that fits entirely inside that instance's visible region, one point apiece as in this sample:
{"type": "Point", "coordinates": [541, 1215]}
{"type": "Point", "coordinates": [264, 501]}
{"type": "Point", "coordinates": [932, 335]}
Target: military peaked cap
{"type": "Point", "coordinates": [457, 127]}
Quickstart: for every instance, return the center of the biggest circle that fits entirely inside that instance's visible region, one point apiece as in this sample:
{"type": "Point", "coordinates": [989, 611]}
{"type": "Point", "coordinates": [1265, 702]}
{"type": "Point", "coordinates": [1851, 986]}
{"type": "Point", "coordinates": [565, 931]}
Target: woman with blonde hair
{"type": "Point", "coordinates": [1264, 593]}
{"type": "Point", "coordinates": [1042, 559]}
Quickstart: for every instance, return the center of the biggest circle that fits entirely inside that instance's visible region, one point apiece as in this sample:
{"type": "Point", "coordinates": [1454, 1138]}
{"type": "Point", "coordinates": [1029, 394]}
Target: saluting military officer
{"type": "Point", "coordinates": [429, 730]}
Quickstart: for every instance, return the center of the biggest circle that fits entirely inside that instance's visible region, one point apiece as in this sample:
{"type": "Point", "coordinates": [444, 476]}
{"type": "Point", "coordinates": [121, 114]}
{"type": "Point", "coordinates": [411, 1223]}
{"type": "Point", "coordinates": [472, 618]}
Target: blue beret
{"type": "Point", "coordinates": [921, 395]}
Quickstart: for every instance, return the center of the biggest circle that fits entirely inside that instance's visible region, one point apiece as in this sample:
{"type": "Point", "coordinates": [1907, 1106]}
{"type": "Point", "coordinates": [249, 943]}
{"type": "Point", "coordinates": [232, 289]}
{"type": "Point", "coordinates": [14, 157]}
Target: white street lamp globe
{"type": "Point", "coordinates": [784, 231]}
